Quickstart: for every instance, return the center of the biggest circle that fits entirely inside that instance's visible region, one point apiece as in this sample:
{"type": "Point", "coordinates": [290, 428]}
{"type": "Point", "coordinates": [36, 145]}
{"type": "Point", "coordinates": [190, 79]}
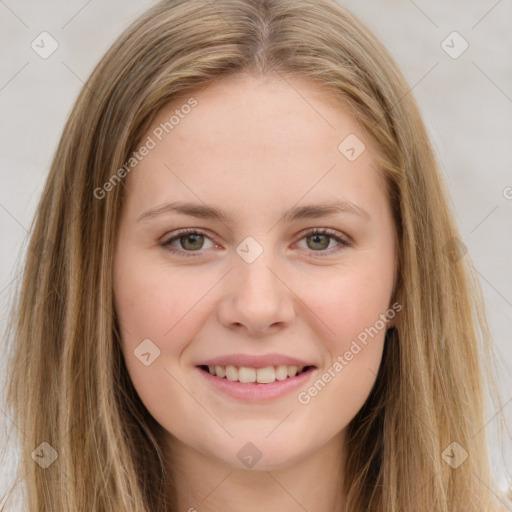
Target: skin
{"type": "Point", "coordinates": [255, 147]}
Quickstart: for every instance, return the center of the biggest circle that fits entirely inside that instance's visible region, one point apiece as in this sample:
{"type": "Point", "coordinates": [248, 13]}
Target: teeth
{"type": "Point", "coordinates": [231, 372]}
{"type": "Point", "coordinates": [247, 374]}
{"type": "Point", "coordinates": [281, 372]}
{"type": "Point", "coordinates": [265, 375]}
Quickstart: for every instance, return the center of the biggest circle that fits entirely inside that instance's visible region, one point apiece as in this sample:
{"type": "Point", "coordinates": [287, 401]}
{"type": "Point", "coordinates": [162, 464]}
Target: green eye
{"type": "Point", "coordinates": [192, 242]}
{"type": "Point", "coordinates": [321, 241]}
{"type": "Point", "coordinates": [318, 241]}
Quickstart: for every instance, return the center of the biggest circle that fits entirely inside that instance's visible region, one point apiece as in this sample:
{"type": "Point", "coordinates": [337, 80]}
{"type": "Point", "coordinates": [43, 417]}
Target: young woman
{"type": "Point", "coordinates": [244, 288]}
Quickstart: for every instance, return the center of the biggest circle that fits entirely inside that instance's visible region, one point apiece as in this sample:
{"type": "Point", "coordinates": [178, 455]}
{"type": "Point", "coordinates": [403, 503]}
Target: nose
{"type": "Point", "coordinates": [257, 297]}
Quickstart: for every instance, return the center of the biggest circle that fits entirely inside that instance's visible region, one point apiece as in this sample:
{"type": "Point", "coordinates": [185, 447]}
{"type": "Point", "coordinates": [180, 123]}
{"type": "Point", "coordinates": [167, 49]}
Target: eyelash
{"type": "Point", "coordinates": [317, 231]}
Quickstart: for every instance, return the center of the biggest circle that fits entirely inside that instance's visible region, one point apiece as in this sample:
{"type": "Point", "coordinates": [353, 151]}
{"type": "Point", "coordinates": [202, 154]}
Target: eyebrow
{"type": "Point", "coordinates": [203, 211]}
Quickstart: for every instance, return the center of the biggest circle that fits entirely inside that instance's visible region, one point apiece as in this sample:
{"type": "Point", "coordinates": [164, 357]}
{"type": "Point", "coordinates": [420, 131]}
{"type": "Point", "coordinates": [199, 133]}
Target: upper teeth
{"type": "Point", "coordinates": [261, 375]}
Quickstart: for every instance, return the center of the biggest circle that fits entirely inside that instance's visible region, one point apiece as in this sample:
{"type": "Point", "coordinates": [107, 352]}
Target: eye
{"type": "Point", "coordinates": [319, 239]}
{"type": "Point", "coordinates": [186, 242]}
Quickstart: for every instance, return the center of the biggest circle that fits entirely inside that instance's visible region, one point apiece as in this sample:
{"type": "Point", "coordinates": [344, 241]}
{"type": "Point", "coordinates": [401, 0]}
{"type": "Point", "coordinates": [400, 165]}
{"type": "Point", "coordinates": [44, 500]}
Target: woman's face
{"type": "Point", "coordinates": [274, 158]}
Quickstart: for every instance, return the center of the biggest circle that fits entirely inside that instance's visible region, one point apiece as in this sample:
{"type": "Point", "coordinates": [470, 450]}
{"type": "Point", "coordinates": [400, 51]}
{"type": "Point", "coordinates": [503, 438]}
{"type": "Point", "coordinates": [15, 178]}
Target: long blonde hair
{"type": "Point", "coordinates": [67, 382]}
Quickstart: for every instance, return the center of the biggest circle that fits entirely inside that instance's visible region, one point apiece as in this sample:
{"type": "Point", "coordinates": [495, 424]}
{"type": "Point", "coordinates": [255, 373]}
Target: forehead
{"type": "Point", "coordinates": [269, 110]}
{"type": "Point", "coordinates": [267, 138]}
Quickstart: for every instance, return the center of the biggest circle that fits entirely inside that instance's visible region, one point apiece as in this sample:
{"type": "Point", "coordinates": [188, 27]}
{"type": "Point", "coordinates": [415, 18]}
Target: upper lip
{"type": "Point", "coordinates": [254, 361]}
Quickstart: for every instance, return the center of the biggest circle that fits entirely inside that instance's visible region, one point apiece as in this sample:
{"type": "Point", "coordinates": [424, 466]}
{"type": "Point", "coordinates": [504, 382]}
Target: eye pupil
{"type": "Point", "coordinates": [191, 238]}
{"type": "Point", "coordinates": [316, 238]}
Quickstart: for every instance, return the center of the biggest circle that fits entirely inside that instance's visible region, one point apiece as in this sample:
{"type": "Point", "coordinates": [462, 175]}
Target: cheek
{"type": "Point", "coordinates": [351, 306]}
{"type": "Point", "coordinates": [153, 304]}
{"type": "Point", "coordinates": [353, 353]}
{"type": "Point", "coordinates": [354, 309]}
{"type": "Point", "coordinates": [165, 307]}
{"type": "Point", "coordinates": [150, 301]}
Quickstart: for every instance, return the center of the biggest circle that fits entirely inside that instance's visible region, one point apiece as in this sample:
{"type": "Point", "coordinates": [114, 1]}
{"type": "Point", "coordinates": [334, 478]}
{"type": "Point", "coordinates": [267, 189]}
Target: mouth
{"type": "Point", "coordinates": [256, 385]}
{"type": "Point", "coordinates": [248, 375]}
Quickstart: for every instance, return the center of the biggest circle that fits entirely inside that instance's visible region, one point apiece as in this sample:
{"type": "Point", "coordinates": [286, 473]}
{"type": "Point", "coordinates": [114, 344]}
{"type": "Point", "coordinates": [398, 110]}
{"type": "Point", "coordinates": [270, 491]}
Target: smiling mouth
{"type": "Point", "coordinates": [247, 375]}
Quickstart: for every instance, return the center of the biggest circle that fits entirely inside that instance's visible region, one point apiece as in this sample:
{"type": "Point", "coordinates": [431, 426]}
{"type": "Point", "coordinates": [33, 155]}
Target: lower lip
{"type": "Point", "coordinates": [255, 392]}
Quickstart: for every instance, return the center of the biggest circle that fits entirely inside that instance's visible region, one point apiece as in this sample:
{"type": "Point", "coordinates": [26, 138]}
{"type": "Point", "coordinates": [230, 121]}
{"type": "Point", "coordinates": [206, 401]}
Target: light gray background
{"type": "Point", "coordinates": [466, 102]}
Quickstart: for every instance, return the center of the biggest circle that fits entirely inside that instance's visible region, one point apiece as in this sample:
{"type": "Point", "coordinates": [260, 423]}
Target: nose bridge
{"type": "Point", "coordinates": [255, 270]}
{"type": "Point", "coordinates": [257, 297]}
